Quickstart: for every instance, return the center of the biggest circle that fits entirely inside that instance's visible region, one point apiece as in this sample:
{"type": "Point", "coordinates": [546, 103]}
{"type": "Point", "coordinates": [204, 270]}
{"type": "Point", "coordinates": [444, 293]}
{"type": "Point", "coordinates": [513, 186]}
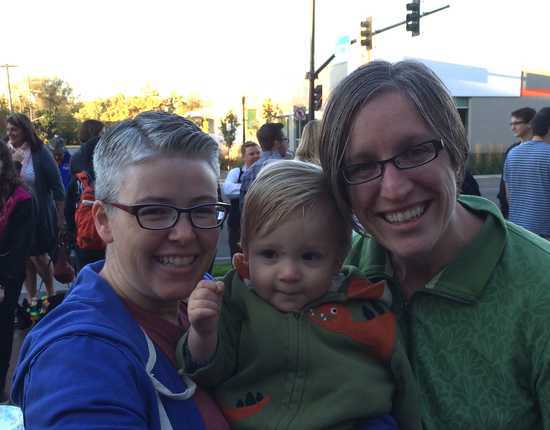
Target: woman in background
{"type": "Point", "coordinates": [41, 174]}
{"type": "Point", "coordinates": [16, 230]}
{"type": "Point", "coordinates": [308, 149]}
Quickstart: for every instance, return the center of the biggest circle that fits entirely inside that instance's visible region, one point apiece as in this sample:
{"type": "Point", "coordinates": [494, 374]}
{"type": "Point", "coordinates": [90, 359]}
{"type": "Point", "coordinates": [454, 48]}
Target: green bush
{"type": "Point", "coordinates": [220, 269]}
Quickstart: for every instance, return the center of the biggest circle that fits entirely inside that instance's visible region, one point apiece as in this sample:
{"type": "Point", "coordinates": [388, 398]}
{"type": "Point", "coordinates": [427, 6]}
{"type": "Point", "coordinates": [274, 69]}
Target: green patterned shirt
{"type": "Point", "coordinates": [478, 333]}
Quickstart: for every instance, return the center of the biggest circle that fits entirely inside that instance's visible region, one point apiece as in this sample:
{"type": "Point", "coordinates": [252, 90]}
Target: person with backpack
{"type": "Point", "coordinates": [81, 230]}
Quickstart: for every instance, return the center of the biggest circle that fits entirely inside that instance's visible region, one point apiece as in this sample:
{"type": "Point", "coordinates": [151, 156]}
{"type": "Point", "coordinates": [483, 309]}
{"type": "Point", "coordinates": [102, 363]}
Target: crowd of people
{"type": "Point", "coordinates": [431, 315]}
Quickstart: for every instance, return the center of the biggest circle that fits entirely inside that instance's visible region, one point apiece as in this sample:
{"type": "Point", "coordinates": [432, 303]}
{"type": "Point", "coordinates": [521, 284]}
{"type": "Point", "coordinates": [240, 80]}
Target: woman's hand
{"type": "Point", "coordinates": [203, 309]}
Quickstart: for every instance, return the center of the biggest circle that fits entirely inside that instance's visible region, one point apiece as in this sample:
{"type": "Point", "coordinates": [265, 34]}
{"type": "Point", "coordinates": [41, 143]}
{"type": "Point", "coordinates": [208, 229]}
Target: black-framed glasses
{"type": "Point", "coordinates": [412, 157]}
{"type": "Point", "coordinates": [512, 123]}
{"type": "Point", "coordinates": [158, 216]}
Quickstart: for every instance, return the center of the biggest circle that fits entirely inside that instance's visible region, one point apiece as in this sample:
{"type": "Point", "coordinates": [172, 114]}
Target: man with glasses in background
{"type": "Point", "coordinates": [527, 178]}
{"type": "Point", "coordinates": [520, 120]}
{"type": "Point", "coordinates": [274, 145]}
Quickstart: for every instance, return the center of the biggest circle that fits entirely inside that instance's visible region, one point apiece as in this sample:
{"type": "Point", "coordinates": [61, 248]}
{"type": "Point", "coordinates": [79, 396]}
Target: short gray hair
{"type": "Point", "coordinates": [281, 190]}
{"type": "Point", "coordinates": [147, 135]}
{"type": "Point", "coordinates": [412, 79]}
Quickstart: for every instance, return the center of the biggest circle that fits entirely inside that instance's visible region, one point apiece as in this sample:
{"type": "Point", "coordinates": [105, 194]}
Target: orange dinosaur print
{"type": "Point", "coordinates": [378, 332]}
{"type": "Point", "coordinates": [360, 288]}
{"type": "Point", "coordinates": [241, 411]}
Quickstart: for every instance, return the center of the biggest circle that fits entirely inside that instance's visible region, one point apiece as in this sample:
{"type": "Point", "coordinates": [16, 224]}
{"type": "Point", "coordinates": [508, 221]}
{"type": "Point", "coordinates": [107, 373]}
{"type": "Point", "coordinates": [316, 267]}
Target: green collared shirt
{"type": "Point", "coordinates": [478, 334]}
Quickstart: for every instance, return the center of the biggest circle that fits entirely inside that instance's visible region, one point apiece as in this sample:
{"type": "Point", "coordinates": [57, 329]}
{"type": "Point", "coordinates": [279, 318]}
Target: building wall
{"type": "Point", "coordinates": [489, 120]}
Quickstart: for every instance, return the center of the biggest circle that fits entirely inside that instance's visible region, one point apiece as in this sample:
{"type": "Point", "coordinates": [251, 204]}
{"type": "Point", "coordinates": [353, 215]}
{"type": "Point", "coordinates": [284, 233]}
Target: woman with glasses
{"type": "Point", "coordinates": [106, 356]}
{"type": "Point", "coordinates": [472, 291]}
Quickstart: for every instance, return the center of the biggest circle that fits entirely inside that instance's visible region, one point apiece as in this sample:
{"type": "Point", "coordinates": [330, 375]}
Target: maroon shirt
{"type": "Point", "coordinates": [165, 336]}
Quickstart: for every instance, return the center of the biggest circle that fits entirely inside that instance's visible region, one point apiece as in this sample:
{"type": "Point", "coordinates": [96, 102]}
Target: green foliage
{"type": "Point", "coordinates": [49, 103]}
{"type": "Point", "coordinates": [120, 107]}
{"type": "Point", "coordinates": [54, 95]}
{"type": "Point", "coordinates": [252, 124]}
{"type": "Point", "coordinates": [270, 111]}
{"type": "Point", "coordinates": [63, 124]}
{"type": "Point", "coordinates": [228, 128]}
{"type": "Point", "coordinates": [4, 112]}
{"type": "Point", "coordinates": [220, 269]}
{"type": "Point", "coordinates": [52, 107]}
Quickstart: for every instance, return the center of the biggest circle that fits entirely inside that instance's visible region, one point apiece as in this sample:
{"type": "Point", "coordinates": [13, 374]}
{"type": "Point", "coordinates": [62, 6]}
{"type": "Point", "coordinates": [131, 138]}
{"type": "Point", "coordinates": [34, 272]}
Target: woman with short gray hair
{"type": "Point", "coordinates": [105, 357]}
{"type": "Point", "coordinates": [471, 290]}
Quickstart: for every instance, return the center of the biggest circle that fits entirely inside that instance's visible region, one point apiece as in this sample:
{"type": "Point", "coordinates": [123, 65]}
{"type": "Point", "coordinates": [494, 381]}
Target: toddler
{"type": "Point", "coordinates": [291, 339]}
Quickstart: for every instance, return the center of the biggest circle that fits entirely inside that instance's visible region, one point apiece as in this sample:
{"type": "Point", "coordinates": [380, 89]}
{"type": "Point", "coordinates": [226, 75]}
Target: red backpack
{"type": "Point", "coordinates": [86, 234]}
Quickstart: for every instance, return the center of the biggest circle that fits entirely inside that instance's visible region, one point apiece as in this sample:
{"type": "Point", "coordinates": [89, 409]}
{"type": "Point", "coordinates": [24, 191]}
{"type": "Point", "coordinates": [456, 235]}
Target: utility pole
{"type": "Point", "coordinates": [311, 74]}
{"type": "Point", "coordinates": [7, 67]}
{"type": "Point", "coordinates": [243, 100]}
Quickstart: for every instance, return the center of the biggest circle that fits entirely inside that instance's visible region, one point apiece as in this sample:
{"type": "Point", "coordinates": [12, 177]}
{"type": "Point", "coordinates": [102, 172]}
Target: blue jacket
{"type": "Point", "coordinates": [83, 366]}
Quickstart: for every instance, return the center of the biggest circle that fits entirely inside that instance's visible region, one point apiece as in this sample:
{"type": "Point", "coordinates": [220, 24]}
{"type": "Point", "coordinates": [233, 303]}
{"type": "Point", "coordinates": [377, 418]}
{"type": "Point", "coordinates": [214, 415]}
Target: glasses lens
{"type": "Point", "coordinates": [208, 216]}
{"type": "Point", "coordinates": [358, 173]}
{"type": "Point", "coordinates": [416, 155]}
{"type": "Point", "coordinates": [157, 217]}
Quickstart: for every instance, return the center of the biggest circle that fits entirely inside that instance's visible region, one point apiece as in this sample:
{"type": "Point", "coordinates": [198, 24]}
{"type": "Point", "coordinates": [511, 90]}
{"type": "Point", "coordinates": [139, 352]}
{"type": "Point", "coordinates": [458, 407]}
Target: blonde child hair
{"type": "Point", "coordinates": [289, 188]}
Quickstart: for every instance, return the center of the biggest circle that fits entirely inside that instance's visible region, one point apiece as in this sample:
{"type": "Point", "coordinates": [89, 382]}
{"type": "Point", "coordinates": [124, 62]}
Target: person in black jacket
{"type": "Point", "coordinates": [16, 234]}
{"type": "Point", "coordinates": [89, 134]}
{"type": "Point", "coordinates": [470, 185]}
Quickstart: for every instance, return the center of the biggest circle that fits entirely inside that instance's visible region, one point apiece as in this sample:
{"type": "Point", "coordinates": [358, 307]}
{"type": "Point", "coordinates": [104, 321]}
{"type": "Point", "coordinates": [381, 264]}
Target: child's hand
{"type": "Point", "coordinates": [204, 307]}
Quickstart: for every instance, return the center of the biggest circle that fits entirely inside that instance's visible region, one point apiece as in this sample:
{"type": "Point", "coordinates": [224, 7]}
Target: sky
{"type": "Point", "coordinates": [223, 50]}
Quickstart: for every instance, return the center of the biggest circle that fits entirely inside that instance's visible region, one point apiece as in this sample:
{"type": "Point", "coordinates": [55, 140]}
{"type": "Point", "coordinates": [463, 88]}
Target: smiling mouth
{"type": "Point", "coordinates": [176, 261]}
{"type": "Point", "coordinates": [406, 215]}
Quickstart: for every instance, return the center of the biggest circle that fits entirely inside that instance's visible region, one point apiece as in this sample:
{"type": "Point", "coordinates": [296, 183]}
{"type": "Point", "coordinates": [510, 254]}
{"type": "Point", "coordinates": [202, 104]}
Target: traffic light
{"type": "Point", "coordinates": [317, 97]}
{"type": "Point", "coordinates": [413, 17]}
{"type": "Point", "coordinates": [366, 33]}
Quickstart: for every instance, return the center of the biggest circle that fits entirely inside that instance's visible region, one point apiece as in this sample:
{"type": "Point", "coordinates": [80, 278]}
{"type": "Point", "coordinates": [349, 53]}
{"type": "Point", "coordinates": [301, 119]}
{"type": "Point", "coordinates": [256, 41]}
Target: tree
{"type": "Point", "coordinates": [4, 112]}
{"type": "Point", "coordinates": [120, 107]}
{"type": "Point", "coordinates": [53, 109]}
{"type": "Point", "coordinates": [270, 111]}
{"type": "Point", "coordinates": [228, 128]}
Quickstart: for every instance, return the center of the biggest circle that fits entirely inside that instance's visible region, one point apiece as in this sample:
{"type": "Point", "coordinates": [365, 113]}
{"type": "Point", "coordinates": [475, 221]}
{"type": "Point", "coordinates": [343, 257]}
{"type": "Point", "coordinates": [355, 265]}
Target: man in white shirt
{"type": "Point", "coordinates": [250, 152]}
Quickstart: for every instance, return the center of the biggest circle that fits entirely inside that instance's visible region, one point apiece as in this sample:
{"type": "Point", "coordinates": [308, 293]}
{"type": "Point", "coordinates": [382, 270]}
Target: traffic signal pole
{"type": "Point", "coordinates": [405, 21]}
{"type": "Point", "coordinates": [312, 75]}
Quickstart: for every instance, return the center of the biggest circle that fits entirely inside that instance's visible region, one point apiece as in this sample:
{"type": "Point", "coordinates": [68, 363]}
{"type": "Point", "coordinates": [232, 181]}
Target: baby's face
{"type": "Point", "coordinates": [294, 264]}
